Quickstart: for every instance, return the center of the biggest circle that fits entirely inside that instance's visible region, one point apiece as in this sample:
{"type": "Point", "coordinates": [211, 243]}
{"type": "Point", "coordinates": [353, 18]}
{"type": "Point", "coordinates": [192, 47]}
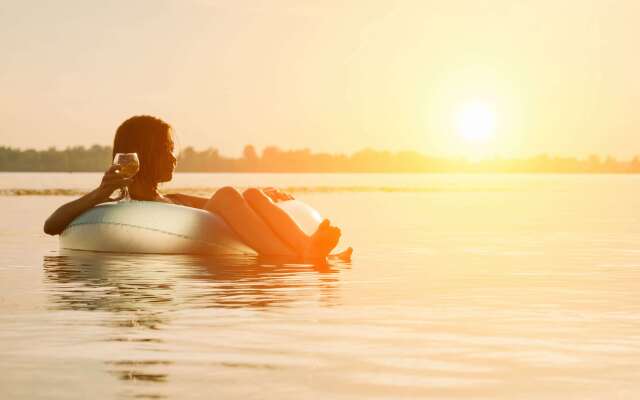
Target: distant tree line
{"type": "Point", "coordinates": [272, 159]}
{"type": "Point", "coordinates": [72, 159]}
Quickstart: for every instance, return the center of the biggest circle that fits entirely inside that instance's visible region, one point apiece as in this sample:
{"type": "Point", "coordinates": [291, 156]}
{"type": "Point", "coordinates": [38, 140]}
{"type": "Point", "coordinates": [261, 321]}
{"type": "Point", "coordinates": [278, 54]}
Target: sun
{"type": "Point", "coordinates": [475, 121]}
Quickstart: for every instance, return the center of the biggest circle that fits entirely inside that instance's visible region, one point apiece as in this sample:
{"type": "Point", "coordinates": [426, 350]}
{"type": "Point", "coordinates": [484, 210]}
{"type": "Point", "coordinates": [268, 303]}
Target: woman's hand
{"type": "Point", "coordinates": [111, 181]}
{"type": "Point", "coordinates": [60, 219]}
{"type": "Point", "coordinates": [276, 195]}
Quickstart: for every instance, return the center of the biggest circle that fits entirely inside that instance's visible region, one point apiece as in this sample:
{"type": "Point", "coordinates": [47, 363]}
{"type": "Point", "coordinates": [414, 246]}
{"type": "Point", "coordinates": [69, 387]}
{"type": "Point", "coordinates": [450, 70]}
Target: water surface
{"type": "Point", "coordinates": [481, 287]}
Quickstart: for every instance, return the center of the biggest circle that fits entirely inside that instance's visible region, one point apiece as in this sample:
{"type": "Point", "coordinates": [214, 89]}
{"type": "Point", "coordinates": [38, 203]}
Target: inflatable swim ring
{"type": "Point", "coordinates": [161, 228]}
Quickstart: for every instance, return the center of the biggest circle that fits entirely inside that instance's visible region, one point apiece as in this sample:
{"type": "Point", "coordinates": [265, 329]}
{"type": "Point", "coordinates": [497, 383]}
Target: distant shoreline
{"type": "Point", "coordinates": [274, 160]}
{"type": "Point", "coordinates": [362, 172]}
{"type": "Point", "coordinates": [289, 189]}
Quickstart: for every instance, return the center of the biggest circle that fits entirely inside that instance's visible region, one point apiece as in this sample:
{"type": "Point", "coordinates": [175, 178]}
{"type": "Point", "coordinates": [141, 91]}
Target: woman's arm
{"type": "Point", "coordinates": [58, 221]}
{"type": "Point", "coordinates": [61, 217]}
{"type": "Point", "coordinates": [187, 200]}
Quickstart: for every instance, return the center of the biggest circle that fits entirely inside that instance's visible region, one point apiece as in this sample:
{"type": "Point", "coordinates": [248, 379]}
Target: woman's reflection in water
{"type": "Point", "coordinates": [139, 293]}
{"type": "Point", "coordinates": [154, 284]}
{"type": "Point", "coordinates": [261, 283]}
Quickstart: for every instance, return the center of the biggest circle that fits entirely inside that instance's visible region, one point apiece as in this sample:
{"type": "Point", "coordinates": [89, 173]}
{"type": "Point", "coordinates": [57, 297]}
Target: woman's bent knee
{"type": "Point", "coordinates": [253, 195]}
{"type": "Point", "coordinates": [225, 197]}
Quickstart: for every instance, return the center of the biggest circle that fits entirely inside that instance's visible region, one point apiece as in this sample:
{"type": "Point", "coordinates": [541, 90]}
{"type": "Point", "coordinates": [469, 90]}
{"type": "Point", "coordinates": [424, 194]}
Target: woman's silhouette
{"type": "Point", "coordinates": [253, 214]}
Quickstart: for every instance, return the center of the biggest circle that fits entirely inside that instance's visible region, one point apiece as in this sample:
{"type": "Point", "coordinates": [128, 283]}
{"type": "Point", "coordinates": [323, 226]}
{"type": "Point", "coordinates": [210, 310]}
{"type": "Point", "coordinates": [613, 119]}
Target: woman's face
{"type": "Point", "coordinates": [167, 160]}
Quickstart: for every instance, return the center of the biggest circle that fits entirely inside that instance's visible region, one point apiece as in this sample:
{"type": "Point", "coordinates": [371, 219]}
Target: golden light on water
{"type": "Point", "coordinates": [475, 121]}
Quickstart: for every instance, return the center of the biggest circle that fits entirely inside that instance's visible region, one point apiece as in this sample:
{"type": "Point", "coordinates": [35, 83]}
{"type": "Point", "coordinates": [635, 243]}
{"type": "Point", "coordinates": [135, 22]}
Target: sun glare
{"type": "Point", "coordinates": [475, 121]}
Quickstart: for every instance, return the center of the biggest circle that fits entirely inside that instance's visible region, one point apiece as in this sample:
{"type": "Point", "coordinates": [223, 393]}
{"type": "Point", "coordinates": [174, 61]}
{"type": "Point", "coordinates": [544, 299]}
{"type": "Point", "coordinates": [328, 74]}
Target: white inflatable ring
{"type": "Point", "coordinates": [161, 228]}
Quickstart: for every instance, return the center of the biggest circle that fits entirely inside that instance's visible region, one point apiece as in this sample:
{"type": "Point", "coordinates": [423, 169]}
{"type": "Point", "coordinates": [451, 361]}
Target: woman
{"type": "Point", "coordinates": [253, 215]}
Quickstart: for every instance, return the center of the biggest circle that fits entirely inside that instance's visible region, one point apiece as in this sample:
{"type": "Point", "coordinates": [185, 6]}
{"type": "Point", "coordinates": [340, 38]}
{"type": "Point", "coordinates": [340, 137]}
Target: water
{"type": "Point", "coordinates": [462, 286]}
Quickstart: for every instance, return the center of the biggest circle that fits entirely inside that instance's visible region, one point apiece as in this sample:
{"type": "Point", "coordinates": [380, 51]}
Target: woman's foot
{"type": "Point", "coordinates": [344, 255]}
{"type": "Point", "coordinates": [324, 239]}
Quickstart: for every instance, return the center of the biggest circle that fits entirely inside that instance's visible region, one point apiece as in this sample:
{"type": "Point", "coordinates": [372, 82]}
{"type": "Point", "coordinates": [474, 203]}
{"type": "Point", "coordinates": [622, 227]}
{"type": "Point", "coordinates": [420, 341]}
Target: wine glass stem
{"type": "Point", "coordinates": [126, 196]}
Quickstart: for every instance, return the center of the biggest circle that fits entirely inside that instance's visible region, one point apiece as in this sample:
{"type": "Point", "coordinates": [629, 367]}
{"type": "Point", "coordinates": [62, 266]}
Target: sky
{"type": "Point", "coordinates": [561, 77]}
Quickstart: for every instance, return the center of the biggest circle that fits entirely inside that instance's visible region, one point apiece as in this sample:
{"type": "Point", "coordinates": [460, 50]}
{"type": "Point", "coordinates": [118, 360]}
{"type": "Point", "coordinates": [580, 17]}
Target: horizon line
{"type": "Point", "coordinates": [601, 156]}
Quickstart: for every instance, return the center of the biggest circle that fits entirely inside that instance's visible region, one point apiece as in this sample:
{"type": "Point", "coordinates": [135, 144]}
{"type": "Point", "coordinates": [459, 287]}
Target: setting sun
{"type": "Point", "coordinates": [475, 121]}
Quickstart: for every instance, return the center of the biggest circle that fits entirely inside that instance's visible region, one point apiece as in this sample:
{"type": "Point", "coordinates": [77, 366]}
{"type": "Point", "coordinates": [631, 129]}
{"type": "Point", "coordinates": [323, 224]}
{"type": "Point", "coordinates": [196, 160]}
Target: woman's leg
{"type": "Point", "coordinates": [252, 229]}
{"type": "Point", "coordinates": [317, 245]}
{"type": "Point", "coordinates": [277, 219]}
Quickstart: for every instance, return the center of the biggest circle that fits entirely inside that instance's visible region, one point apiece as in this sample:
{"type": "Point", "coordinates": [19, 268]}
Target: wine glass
{"type": "Point", "coordinates": [129, 166]}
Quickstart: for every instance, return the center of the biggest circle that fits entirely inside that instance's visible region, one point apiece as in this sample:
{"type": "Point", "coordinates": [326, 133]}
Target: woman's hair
{"type": "Point", "coordinates": [148, 136]}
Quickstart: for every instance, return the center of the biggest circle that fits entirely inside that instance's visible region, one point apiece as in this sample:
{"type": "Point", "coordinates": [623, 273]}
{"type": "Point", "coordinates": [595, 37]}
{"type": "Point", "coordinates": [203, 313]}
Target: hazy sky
{"type": "Point", "coordinates": [337, 76]}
